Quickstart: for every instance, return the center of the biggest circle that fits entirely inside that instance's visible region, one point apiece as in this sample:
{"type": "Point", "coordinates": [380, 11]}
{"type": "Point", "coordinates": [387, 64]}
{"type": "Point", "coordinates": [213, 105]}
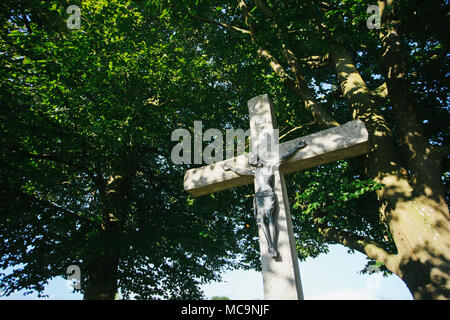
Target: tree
{"type": "Point", "coordinates": [86, 175]}
{"type": "Point", "coordinates": [323, 63]}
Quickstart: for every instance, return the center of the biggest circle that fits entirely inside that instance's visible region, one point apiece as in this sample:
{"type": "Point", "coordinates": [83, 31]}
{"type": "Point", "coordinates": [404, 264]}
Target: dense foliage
{"type": "Point", "coordinates": [86, 120]}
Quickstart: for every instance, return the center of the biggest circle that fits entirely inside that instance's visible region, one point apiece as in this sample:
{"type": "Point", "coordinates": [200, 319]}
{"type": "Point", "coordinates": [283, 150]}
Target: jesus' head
{"type": "Point", "coordinates": [254, 160]}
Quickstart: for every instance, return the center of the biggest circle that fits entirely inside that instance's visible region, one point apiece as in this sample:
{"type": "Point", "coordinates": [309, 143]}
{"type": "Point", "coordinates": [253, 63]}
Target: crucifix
{"type": "Point", "coordinates": [266, 168]}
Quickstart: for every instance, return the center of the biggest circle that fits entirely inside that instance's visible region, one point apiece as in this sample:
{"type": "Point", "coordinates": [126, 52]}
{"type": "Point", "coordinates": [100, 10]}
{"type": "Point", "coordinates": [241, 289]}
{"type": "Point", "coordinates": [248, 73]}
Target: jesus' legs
{"type": "Point", "coordinates": [264, 209]}
{"type": "Point", "coordinates": [269, 230]}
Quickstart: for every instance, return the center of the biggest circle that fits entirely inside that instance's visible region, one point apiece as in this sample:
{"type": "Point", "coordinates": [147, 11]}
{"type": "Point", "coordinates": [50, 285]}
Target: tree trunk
{"type": "Point", "coordinates": [420, 229]}
{"type": "Point", "coordinates": [414, 208]}
{"type": "Point", "coordinates": [421, 234]}
{"type": "Point", "coordinates": [102, 265]}
{"type": "Point", "coordinates": [101, 283]}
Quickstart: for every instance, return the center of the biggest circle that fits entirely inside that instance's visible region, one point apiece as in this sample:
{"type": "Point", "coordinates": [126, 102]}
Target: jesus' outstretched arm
{"type": "Point", "coordinates": [301, 144]}
{"type": "Point", "coordinates": [239, 171]}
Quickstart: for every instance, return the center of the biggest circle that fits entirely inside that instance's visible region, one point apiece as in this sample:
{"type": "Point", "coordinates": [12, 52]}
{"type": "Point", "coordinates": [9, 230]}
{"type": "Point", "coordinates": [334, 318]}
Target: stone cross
{"type": "Point", "coordinates": [281, 276]}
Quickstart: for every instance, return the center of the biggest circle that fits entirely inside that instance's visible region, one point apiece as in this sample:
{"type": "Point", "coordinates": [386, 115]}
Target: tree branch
{"type": "Point", "coordinates": [361, 244]}
{"type": "Point", "coordinates": [353, 87]}
{"type": "Point", "coordinates": [53, 206]}
{"type": "Point", "coordinates": [439, 152]}
{"type": "Point", "coordinates": [247, 19]}
{"type": "Point", "coordinates": [262, 6]}
{"type": "Point", "coordinates": [315, 62]}
{"type": "Point", "coordinates": [302, 91]}
{"type": "Point", "coordinates": [299, 87]}
{"type": "Point", "coordinates": [49, 157]}
{"type": "Point", "coordinates": [296, 128]}
{"type": "Point", "coordinates": [381, 91]}
{"type": "Point", "coordinates": [221, 24]}
{"type": "Point", "coordinates": [414, 143]}
{"type": "Point", "coordinates": [27, 24]}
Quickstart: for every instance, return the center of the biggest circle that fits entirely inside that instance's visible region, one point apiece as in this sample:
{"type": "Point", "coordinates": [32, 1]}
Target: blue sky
{"type": "Point", "coordinates": [329, 276]}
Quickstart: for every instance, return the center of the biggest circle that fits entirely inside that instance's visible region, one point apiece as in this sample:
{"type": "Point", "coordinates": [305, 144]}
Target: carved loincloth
{"type": "Point", "coordinates": [264, 203]}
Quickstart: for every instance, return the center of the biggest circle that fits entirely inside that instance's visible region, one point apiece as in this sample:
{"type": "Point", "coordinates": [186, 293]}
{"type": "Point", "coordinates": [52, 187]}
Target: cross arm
{"type": "Point", "coordinates": [337, 143]}
{"type": "Point", "coordinates": [213, 178]}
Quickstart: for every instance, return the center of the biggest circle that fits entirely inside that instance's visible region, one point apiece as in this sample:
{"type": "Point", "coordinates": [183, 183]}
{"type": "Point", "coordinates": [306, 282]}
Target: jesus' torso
{"type": "Point", "coordinates": [264, 178]}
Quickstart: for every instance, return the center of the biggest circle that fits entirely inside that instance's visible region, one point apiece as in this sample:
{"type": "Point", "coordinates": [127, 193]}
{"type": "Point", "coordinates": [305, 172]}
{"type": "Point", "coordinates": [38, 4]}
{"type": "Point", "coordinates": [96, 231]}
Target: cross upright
{"type": "Point", "coordinates": [281, 275]}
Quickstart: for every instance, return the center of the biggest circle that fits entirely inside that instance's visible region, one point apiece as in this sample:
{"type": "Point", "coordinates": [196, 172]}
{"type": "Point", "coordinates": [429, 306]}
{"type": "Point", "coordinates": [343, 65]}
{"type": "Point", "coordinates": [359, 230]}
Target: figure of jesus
{"type": "Point", "coordinates": [265, 198]}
